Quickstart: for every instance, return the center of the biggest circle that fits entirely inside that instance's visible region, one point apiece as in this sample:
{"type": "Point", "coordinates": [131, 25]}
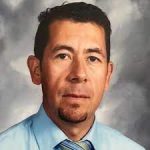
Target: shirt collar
{"type": "Point", "coordinates": [91, 135]}
{"type": "Point", "coordinates": [48, 135]}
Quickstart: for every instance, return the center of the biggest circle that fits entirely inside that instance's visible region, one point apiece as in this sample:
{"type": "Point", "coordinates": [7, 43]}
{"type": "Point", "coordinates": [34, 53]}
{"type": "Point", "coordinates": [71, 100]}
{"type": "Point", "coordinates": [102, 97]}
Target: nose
{"type": "Point", "coordinates": [77, 72]}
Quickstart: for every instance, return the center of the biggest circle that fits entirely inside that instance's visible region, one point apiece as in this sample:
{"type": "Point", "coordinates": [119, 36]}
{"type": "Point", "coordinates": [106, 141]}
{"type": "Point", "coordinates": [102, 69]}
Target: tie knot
{"type": "Point", "coordinates": [70, 145]}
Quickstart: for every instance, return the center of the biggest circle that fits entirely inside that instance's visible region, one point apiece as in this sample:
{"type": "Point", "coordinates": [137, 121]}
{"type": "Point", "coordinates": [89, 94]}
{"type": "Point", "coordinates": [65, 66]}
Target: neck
{"type": "Point", "coordinates": [74, 131]}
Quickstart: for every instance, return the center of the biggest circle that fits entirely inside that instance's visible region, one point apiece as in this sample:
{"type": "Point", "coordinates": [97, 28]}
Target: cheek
{"type": "Point", "coordinates": [51, 86]}
{"type": "Point", "coordinates": [98, 81]}
{"type": "Point", "coordinates": [98, 86]}
{"type": "Point", "coordinates": [55, 78]}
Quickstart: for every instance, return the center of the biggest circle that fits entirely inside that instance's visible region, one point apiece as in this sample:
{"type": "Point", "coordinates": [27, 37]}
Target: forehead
{"type": "Point", "coordinates": [84, 34]}
{"type": "Point", "coordinates": [65, 24]}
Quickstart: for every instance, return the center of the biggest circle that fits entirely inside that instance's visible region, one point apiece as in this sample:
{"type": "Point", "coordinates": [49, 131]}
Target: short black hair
{"type": "Point", "coordinates": [78, 12]}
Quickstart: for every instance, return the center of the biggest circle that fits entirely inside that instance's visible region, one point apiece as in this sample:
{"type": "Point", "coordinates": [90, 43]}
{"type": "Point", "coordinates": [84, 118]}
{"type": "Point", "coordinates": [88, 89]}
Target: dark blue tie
{"type": "Point", "coordinates": [70, 145]}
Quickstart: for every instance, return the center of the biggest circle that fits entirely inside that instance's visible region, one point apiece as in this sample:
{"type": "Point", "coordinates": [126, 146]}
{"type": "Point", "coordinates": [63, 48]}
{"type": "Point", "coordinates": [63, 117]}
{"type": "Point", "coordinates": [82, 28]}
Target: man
{"type": "Point", "coordinates": [72, 64]}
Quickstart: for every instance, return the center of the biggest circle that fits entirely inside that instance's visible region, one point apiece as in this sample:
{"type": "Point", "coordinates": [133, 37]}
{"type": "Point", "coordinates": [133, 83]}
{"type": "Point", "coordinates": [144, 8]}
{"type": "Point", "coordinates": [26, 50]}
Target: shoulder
{"type": "Point", "coordinates": [116, 139]}
{"type": "Point", "coordinates": [16, 135]}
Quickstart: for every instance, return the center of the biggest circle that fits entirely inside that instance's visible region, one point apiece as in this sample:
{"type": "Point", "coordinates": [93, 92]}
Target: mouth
{"type": "Point", "coordinates": [76, 96]}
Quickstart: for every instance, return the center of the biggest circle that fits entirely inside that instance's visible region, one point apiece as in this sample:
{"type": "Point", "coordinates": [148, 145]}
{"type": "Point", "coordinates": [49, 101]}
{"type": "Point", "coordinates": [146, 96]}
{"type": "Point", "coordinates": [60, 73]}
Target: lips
{"type": "Point", "coordinates": [76, 95]}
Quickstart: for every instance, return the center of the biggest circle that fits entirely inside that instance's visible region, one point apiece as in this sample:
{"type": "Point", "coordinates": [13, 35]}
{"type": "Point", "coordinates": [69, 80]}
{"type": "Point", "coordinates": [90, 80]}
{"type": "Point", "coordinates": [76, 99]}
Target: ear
{"type": "Point", "coordinates": [34, 68]}
{"type": "Point", "coordinates": [109, 74]}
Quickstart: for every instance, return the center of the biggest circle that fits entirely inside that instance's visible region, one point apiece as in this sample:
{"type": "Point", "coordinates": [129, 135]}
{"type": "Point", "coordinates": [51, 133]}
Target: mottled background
{"type": "Point", "coordinates": [125, 107]}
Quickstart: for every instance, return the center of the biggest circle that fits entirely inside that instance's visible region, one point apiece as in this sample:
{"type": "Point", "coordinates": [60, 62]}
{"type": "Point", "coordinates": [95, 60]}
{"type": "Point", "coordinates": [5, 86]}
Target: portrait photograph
{"type": "Point", "coordinates": [74, 74]}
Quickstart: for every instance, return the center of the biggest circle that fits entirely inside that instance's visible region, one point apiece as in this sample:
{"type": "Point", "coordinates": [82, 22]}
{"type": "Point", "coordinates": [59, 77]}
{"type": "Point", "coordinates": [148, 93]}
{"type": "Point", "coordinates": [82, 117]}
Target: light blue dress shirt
{"type": "Point", "coordinates": [38, 132]}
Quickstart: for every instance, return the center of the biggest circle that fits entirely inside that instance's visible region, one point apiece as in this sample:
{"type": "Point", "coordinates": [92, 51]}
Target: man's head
{"type": "Point", "coordinates": [72, 50]}
{"type": "Point", "coordinates": [76, 12]}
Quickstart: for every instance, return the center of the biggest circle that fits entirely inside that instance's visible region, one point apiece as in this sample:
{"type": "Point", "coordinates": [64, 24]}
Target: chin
{"type": "Point", "coordinates": [72, 115]}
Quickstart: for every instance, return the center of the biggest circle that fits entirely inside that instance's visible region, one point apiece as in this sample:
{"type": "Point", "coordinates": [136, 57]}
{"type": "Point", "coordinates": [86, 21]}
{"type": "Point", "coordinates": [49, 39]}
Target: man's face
{"type": "Point", "coordinates": [74, 70]}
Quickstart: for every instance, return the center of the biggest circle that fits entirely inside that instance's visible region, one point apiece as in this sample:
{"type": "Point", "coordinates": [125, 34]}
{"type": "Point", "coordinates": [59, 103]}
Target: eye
{"type": "Point", "coordinates": [62, 56]}
{"type": "Point", "coordinates": [93, 59]}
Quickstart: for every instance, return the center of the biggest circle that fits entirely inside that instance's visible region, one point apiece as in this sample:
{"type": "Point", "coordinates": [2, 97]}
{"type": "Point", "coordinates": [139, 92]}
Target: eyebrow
{"type": "Point", "coordinates": [60, 47]}
{"type": "Point", "coordinates": [94, 50]}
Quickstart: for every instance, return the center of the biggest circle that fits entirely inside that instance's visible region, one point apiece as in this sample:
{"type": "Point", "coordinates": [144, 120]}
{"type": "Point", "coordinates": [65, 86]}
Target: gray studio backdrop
{"type": "Point", "coordinates": [125, 107]}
